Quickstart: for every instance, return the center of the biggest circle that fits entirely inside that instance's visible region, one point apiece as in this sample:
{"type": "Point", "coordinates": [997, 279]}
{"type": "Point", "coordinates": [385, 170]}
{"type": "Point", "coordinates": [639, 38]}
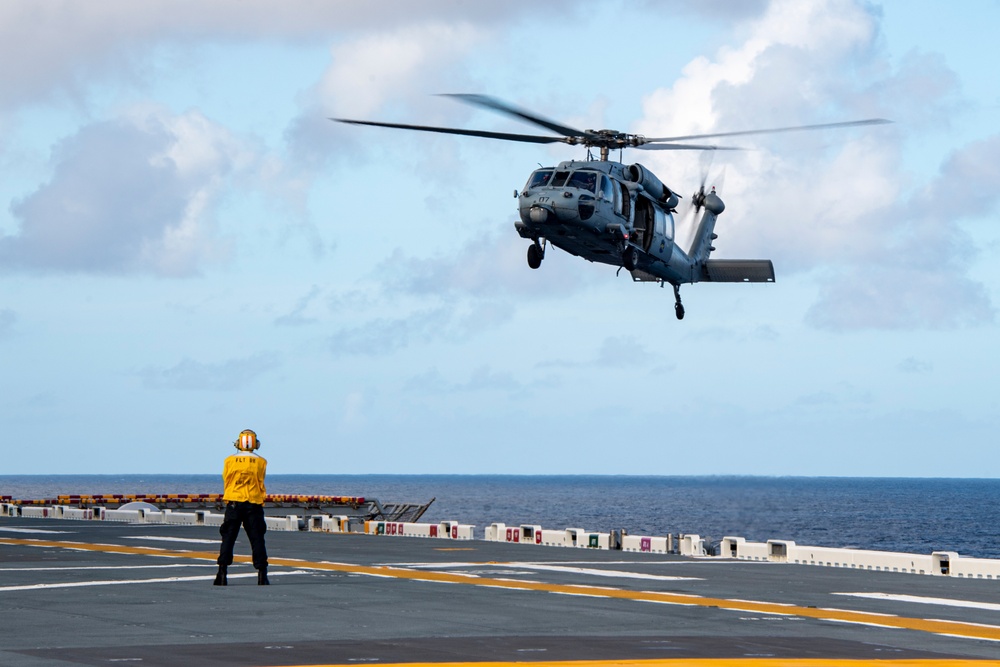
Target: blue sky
{"type": "Point", "coordinates": [189, 247]}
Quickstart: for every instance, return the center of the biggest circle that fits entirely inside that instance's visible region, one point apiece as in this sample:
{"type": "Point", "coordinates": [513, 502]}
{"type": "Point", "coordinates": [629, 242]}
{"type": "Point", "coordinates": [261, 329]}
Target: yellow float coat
{"type": "Point", "coordinates": [243, 475]}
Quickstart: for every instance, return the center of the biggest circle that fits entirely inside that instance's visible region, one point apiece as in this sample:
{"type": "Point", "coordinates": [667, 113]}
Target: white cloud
{"type": "Point", "coordinates": [825, 27]}
{"type": "Point", "coordinates": [381, 336]}
{"type": "Point", "coordinates": [365, 72]}
{"type": "Point", "coordinates": [914, 275]}
{"type": "Point", "coordinates": [830, 201]}
{"type": "Point", "coordinates": [899, 298]}
{"type": "Point", "coordinates": [61, 46]}
{"type": "Point", "coordinates": [199, 146]}
{"type": "Point", "coordinates": [229, 375]}
{"type": "Point", "coordinates": [969, 177]}
{"type": "Point", "coordinates": [491, 263]}
{"type": "Point", "coordinates": [451, 321]}
{"type": "Point", "coordinates": [481, 378]}
{"type": "Point", "coordinates": [297, 315]}
{"type": "Point", "coordinates": [781, 70]}
{"type": "Point", "coordinates": [135, 194]}
{"type": "Point", "coordinates": [720, 10]}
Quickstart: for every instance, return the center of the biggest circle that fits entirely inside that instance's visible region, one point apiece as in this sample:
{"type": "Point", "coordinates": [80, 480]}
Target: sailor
{"type": "Point", "coordinates": [243, 475]}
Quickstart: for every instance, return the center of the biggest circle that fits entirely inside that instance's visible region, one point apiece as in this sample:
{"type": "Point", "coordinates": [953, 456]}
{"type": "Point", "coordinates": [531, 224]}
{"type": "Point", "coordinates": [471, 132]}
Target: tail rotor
{"type": "Point", "coordinates": [698, 198]}
{"type": "Point", "coordinates": [700, 225]}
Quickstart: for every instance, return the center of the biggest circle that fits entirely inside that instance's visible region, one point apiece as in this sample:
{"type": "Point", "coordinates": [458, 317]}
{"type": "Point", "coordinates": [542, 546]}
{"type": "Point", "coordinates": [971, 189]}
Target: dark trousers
{"type": "Point", "coordinates": [251, 517]}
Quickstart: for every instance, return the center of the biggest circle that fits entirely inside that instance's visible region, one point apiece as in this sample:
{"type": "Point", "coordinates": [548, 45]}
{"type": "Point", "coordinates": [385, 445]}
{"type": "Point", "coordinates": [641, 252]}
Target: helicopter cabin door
{"type": "Point", "coordinates": [644, 230]}
{"type": "Point", "coordinates": [663, 235]}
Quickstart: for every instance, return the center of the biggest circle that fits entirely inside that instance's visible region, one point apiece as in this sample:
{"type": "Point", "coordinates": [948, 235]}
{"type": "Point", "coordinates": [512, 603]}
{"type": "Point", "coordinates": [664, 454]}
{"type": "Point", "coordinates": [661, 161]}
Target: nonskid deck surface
{"type": "Point", "coordinates": [83, 593]}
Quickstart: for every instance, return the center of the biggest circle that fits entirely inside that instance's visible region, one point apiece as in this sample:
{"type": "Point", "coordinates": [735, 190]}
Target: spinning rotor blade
{"type": "Point", "coordinates": [720, 181]}
{"type": "Point", "coordinates": [685, 147]}
{"type": "Point", "coordinates": [496, 105]}
{"type": "Point", "coordinates": [690, 216]}
{"type": "Point", "coordinates": [698, 198]}
{"type": "Point", "coordinates": [606, 140]}
{"type": "Point", "coordinates": [776, 130]}
{"type": "Point", "coordinates": [704, 165]}
{"type": "Point", "coordinates": [527, 138]}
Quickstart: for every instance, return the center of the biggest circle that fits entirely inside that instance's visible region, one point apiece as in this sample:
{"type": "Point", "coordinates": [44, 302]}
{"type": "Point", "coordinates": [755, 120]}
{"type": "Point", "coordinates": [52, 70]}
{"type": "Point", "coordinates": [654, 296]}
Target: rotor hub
{"type": "Point", "coordinates": [612, 139]}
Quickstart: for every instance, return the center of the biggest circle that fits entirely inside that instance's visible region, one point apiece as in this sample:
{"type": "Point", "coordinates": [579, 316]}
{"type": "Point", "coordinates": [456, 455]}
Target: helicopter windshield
{"type": "Point", "coordinates": [540, 178]}
{"type": "Point", "coordinates": [585, 180]}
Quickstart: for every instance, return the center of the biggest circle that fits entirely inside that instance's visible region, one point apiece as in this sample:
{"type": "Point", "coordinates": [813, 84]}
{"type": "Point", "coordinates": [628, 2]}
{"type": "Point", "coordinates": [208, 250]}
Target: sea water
{"type": "Point", "coordinates": [907, 515]}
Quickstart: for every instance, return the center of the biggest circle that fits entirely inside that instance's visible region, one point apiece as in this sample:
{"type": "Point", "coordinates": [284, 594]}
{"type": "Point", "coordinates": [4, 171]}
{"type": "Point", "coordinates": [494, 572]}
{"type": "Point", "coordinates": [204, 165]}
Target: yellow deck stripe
{"type": "Point", "coordinates": [954, 628]}
{"type": "Point", "coordinates": [696, 662]}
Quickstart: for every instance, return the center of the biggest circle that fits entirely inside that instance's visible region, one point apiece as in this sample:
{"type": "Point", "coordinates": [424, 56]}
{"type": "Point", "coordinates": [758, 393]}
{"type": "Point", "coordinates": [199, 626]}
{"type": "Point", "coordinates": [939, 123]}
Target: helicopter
{"type": "Point", "coordinates": [618, 214]}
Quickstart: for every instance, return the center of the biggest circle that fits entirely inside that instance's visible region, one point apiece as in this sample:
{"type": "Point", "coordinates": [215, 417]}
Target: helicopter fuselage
{"type": "Point", "coordinates": [611, 213]}
{"type": "Point", "coordinates": [617, 214]}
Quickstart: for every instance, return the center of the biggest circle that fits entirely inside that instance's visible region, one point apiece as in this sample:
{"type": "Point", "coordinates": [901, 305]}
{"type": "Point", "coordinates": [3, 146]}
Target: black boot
{"type": "Point", "coordinates": [220, 577]}
{"type": "Point", "coordinates": [262, 577]}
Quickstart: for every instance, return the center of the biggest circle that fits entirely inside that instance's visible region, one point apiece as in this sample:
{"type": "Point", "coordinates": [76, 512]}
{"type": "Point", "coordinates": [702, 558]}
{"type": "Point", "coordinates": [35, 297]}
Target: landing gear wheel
{"type": "Point", "coordinates": [535, 255]}
{"type": "Point", "coordinates": [678, 306]}
{"type": "Point", "coordinates": [630, 259]}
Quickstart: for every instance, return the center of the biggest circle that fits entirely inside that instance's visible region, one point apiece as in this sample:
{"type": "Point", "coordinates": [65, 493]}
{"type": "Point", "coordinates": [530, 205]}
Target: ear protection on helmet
{"type": "Point", "coordinates": [247, 441]}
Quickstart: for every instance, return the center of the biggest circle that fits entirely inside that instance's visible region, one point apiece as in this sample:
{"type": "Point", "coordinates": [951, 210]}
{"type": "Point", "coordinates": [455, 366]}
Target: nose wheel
{"type": "Point", "coordinates": [536, 253]}
{"type": "Point", "coordinates": [678, 306]}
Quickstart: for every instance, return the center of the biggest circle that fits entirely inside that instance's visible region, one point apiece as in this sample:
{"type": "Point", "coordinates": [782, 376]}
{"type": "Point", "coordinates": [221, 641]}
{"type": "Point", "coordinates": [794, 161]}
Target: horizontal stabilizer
{"type": "Point", "coordinates": [640, 276]}
{"type": "Point", "coordinates": [737, 271]}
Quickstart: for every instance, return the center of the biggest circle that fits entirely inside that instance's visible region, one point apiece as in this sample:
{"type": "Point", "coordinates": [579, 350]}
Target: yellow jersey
{"type": "Point", "coordinates": [243, 475]}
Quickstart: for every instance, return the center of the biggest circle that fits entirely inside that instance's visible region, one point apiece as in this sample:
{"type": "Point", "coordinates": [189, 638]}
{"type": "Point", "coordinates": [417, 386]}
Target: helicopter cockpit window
{"type": "Point", "coordinates": [540, 178]}
{"type": "Point", "coordinates": [624, 206]}
{"type": "Point", "coordinates": [560, 179]}
{"type": "Point", "coordinates": [607, 194]}
{"type": "Point", "coordinates": [585, 180]}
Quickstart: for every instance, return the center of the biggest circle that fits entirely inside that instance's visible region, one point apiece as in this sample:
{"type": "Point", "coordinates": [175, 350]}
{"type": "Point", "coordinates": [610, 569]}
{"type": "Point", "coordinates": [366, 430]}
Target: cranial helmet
{"type": "Point", "coordinates": [247, 441]}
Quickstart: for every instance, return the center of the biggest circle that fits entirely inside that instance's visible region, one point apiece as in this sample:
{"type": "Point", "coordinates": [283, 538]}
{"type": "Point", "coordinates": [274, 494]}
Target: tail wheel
{"type": "Point", "coordinates": [535, 255]}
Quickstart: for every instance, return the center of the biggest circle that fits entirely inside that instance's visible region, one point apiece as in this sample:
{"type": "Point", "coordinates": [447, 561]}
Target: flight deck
{"type": "Point", "coordinates": [100, 593]}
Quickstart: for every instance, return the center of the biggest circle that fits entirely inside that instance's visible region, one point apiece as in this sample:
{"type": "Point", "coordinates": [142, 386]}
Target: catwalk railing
{"type": "Point", "coordinates": [165, 510]}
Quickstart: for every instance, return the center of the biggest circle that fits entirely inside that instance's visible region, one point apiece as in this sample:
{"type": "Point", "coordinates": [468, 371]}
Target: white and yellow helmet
{"type": "Point", "coordinates": [247, 441]}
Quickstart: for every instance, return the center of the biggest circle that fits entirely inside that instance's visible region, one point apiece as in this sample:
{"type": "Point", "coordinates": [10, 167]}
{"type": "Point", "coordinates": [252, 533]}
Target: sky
{"type": "Point", "coordinates": [190, 247]}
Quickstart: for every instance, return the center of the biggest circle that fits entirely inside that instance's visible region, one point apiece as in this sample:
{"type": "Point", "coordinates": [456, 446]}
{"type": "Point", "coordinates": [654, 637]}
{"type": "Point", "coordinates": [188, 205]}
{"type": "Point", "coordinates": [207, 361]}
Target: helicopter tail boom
{"type": "Point", "coordinates": [722, 270]}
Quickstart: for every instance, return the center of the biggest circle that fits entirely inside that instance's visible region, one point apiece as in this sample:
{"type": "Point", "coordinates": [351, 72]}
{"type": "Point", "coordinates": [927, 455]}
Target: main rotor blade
{"type": "Point", "coordinates": [527, 138]}
{"type": "Point", "coordinates": [685, 147]}
{"type": "Point", "coordinates": [496, 105]}
{"type": "Point", "coordinates": [776, 130]}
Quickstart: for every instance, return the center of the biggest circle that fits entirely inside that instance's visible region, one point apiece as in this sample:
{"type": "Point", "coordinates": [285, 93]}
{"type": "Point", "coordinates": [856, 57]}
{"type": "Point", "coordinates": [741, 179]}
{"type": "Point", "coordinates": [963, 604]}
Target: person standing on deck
{"type": "Point", "coordinates": [243, 475]}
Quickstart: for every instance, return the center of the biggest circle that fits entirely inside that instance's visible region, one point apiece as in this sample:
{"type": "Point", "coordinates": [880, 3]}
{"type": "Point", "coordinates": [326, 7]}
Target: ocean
{"type": "Point", "coordinates": [909, 515]}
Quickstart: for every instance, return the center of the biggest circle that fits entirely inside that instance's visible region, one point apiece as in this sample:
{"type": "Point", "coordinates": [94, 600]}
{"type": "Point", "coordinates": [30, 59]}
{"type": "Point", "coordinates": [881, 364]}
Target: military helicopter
{"type": "Point", "coordinates": [618, 214]}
